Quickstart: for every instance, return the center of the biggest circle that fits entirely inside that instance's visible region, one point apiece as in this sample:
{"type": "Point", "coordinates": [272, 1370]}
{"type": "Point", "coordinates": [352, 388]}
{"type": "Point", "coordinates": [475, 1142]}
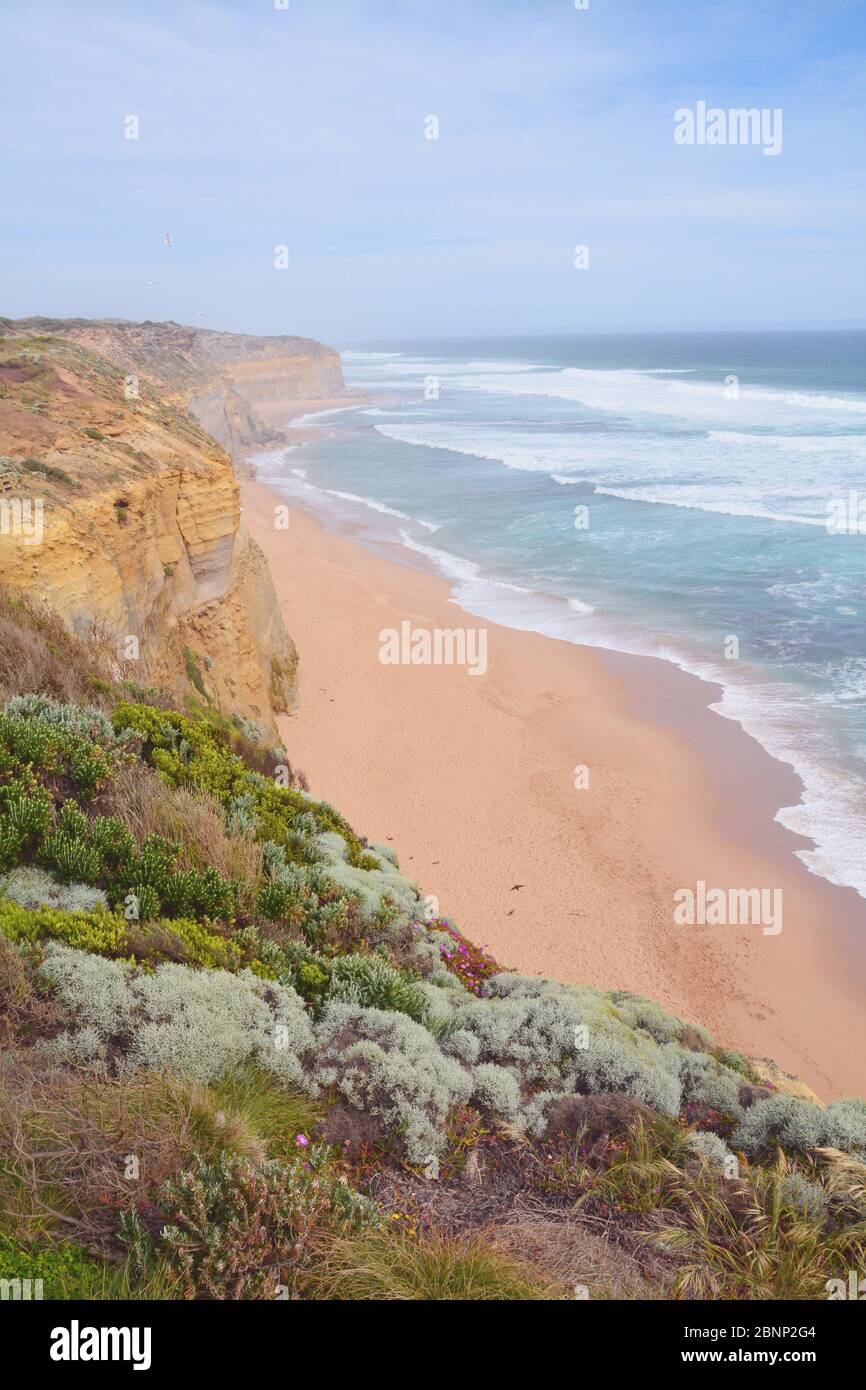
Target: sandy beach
{"type": "Point", "coordinates": [472, 781]}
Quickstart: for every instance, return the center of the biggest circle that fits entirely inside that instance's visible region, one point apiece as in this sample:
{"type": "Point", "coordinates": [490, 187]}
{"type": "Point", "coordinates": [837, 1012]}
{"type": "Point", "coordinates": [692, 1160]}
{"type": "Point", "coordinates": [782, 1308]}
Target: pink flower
{"type": "Point", "coordinates": [301, 1140]}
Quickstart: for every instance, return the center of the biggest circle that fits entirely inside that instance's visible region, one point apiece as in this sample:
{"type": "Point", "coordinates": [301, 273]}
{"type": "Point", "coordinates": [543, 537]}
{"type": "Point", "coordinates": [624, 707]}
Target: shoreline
{"type": "Point", "coordinates": [600, 865]}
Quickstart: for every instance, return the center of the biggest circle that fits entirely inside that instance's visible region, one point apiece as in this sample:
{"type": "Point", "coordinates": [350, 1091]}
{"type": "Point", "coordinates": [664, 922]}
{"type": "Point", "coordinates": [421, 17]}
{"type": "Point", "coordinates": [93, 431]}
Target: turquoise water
{"type": "Point", "coordinates": [658, 495]}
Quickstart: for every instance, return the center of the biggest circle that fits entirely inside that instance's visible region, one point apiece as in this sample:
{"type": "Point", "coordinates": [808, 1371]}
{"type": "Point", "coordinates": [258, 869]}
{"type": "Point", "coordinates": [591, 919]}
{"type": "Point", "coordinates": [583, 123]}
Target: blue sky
{"type": "Point", "coordinates": [305, 127]}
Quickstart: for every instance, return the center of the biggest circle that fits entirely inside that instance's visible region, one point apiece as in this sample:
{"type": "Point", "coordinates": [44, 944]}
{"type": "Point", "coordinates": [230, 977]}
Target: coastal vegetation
{"type": "Point", "coordinates": [218, 1000]}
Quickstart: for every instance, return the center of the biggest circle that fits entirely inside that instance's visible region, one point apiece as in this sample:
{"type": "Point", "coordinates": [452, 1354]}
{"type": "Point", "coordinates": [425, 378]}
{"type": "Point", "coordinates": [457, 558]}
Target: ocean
{"type": "Point", "coordinates": [695, 497]}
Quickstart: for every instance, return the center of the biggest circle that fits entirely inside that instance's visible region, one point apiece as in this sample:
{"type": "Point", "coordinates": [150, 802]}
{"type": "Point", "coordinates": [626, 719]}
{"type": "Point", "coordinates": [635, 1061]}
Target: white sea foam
{"type": "Point", "coordinates": [311, 420]}
{"type": "Point", "coordinates": [724, 477]}
{"type": "Point", "coordinates": [352, 355]}
{"type": "Point", "coordinates": [688, 498]}
{"type": "Point", "coordinates": [626, 392]}
{"type": "Point", "coordinates": [855, 445]}
{"type": "Point", "coordinates": [779, 716]}
{"type": "Point", "coordinates": [452, 566]}
{"type": "Point", "coordinates": [378, 507]}
{"type": "Point", "coordinates": [394, 414]}
{"type": "Point", "coordinates": [663, 437]}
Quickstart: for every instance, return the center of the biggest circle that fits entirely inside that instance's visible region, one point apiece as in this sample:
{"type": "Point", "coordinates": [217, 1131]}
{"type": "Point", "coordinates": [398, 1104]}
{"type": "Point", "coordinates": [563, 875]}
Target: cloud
{"type": "Point", "coordinates": [306, 127]}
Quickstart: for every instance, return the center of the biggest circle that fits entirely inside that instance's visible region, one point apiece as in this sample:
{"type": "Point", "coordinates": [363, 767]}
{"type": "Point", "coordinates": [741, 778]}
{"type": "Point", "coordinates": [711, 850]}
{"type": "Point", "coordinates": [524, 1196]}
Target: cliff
{"type": "Point", "coordinates": [118, 510]}
{"type": "Point", "coordinates": [219, 377]}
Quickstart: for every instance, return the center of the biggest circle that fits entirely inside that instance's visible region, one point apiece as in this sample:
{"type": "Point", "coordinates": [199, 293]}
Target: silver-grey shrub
{"type": "Point", "coordinates": [385, 1064]}
{"type": "Point", "coordinates": [33, 888]}
{"type": "Point", "coordinates": [532, 1040]}
{"type": "Point", "coordinates": [497, 1089]}
{"type": "Point", "coordinates": [806, 1197]}
{"type": "Point", "coordinates": [568, 1040]}
{"type": "Point", "coordinates": [704, 1079]}
{"type": "Point", "coordinates": [799, 1126]}
{"type": "Point", "coordinates": [646, 1014]}
{"type": "Point", "coordinates": [195, 1023]}
{"type": "Point", "coordinates": [371, 887]}
{"type": "Point", "coordinates": [705, 1142]}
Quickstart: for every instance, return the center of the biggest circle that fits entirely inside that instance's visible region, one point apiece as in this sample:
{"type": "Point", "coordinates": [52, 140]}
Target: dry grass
{"type": "Point", "coordinates": [195, 821]}
{"type": "Point", "coordinates": [80, 1146]}
{"type": "Point", "coordinates": [38, 655]}
{"type": "Point", "coordinates": [396, 1268]}
{"type": "Point", "coordinates": [571, 1254]}
{"type": "Point", "coordinates": [26, 1014]}
{"type": "Point", "coordinates": [844, 1180]}
{"type": "Point", "coordinates": [755, 1246]}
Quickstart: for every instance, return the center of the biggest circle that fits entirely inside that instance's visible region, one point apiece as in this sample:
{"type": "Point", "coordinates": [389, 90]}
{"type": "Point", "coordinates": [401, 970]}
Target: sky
{"type": "Point", "coordinates": [303, 124]}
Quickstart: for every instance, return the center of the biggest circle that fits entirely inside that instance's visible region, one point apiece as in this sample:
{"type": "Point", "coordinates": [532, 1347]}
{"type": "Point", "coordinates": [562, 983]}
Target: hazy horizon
{"type": "Point", "coordinates": [257, 127]}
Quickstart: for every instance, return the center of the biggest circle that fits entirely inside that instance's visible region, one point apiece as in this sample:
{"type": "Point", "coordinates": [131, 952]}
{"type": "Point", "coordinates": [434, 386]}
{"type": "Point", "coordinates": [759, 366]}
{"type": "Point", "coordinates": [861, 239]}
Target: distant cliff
{"type": "Point", "coordinates": [219, 377]}
{"type": "Point", "coordinates": [137, 507]}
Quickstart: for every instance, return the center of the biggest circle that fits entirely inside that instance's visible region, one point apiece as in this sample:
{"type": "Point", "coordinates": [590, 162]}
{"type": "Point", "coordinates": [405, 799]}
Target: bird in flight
{"type": "Point", "coordinates": [167, 239]}
{"type": "Point", "coordinates": [515, 886]}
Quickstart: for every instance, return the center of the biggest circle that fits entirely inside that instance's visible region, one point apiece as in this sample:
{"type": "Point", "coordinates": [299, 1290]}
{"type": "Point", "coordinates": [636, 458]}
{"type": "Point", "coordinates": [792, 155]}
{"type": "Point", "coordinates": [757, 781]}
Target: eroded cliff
{"type": "Point", "coordinates": [118, 510]}
{"type": "Point", "coordinates": [219, 377]}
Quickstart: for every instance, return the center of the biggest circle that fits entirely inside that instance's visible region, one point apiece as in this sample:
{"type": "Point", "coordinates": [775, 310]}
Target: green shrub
{"type": "Point", "coordinates": [193, 672]}
{"type": "Point", "coordinates": [198, 894]}
{"type": "Point", "coordinates": [57, 750]}
{"type": "Point", "coordinates": [139, 901]}
{"type": "Point", "coordinates": [306, 971]}
{"type": "Point", "coordinates": [11, 842]}
{"type": "Point", "coordinates": [177, 939]}
{"type": "Point", "coordinates": [197, 752]}
{"type": "Point", "coordinates": [72, 859]}
{"type": "Point", "coordinates": [100, 932]}
{"type": "Point", "coordinates": [275, 901]}
{"type": "Point", "coordinates": [372, 981]}
{"type": "Point", "coordinates": [27, 810]}
{"type": "Point", "coordinates": [66, 1271]}
{"type": "Point", "coordinates": [108, 934]}
{"type": "Point", "coordinates": [114, 843]}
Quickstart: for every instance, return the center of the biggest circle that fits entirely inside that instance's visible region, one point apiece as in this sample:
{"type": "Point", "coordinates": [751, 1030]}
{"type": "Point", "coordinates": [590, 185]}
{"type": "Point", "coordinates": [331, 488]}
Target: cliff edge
{"type": "Point", "coordinates": [118, 510]}
{"type": "Point", "coordinates": [219, 377]}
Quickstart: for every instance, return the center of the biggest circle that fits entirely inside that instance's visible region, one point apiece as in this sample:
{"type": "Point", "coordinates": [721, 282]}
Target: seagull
{"type": "Point", "coordinates": [153, 282]}
{"type": "Point", "coordinates": [167, 239]}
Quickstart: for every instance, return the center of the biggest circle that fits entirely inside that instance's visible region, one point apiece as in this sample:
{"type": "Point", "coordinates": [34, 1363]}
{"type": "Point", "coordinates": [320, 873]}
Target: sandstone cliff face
{"type": "Point", "coordinates": [220, 377]}
{"type": "Point", "coordinates": [138, 529]}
